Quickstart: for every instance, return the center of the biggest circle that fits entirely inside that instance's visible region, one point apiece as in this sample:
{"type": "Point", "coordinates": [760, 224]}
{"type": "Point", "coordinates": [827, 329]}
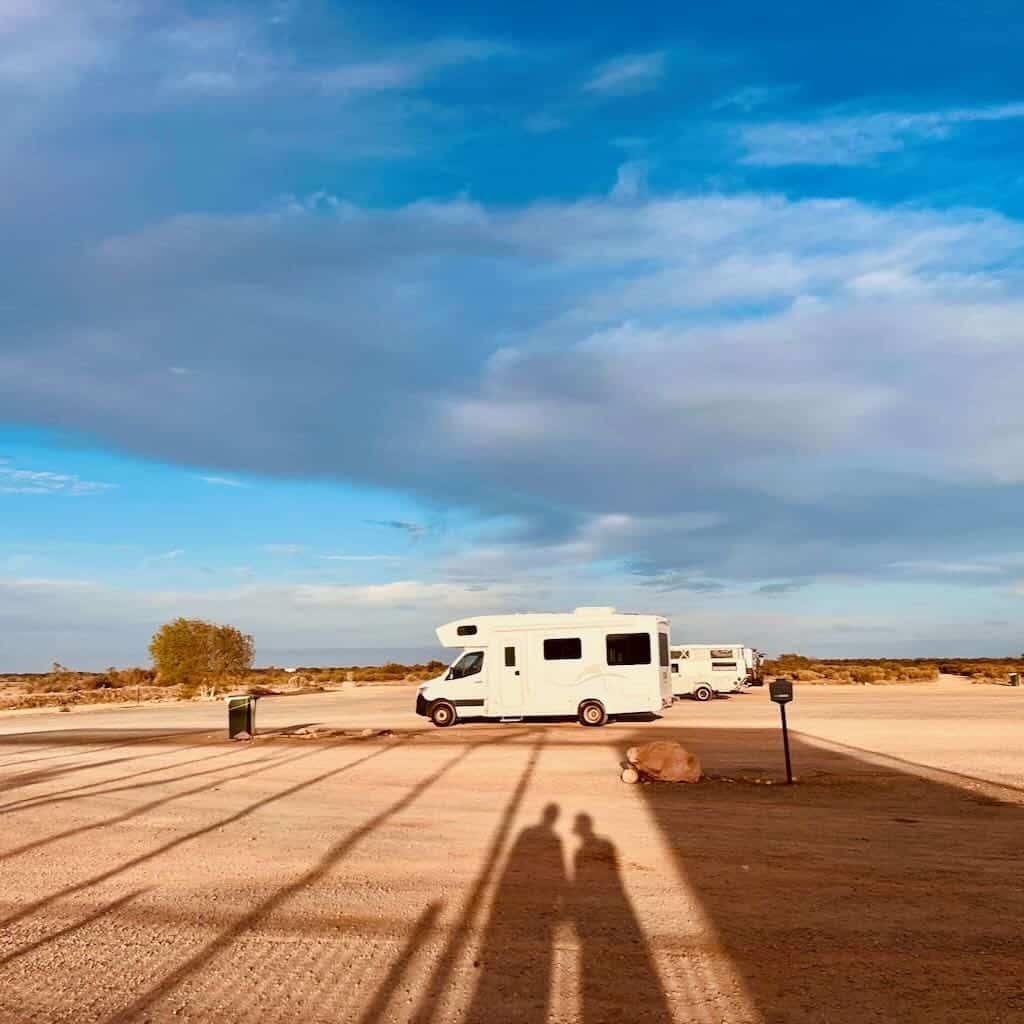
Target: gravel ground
{"type": "Point", "coordinates": [150, 870]}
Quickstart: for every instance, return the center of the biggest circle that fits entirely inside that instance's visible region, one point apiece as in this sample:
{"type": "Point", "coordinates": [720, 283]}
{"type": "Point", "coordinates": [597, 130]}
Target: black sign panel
{"type": "Point", "coordinates": [781, 691]}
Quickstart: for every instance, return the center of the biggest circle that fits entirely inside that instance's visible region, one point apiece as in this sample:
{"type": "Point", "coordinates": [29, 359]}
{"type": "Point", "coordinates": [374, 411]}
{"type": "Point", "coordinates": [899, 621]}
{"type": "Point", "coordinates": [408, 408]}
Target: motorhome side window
{"type": "Point", "coordinates": [566, 648]}
{"type": "Point", "coordinates": [628, 648]}
{"type": "Point", "coordinates": [468, 665]}
{"type": "Point", "coordinates": [663, 649]}
{"type": "Point", "coordinates": [466, 631]}
{"type": "Point", "coordinates": [510, 657]}
{"type": "Point", "coordinates": [675, 668]}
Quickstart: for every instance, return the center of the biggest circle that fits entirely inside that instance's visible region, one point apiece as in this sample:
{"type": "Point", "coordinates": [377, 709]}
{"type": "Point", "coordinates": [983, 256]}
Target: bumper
{"type": "Point", "coordinates": [422, 705]}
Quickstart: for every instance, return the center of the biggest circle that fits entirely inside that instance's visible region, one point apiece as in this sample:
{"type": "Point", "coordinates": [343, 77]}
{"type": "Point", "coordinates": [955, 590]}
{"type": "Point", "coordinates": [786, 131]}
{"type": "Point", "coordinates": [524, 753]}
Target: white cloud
{"type": "Point", "coordinates": [223, 481]}
{"type": "Point", "coordinates": [632, 73]}
{"type": "Point", "coordinates": [630, 181]}
{"type": "Point", "coordinates": [90, 624]}
{"type": "Point", "coordinates": [752, 97]}
{"type": "Point", "coordinates": [405, 69]}
{"type": "Point", "coordinates": [170, 556]}
{"type": "Point", "coordinates": [47, 44]}
{"type": "Point", "coordinates": [670, 355]}
{"type": "Point", "coordinates": [948, 568]}
{"type": "Point", "coordinates": [544, 123]}
{"type": "Point", "coordinates": [361, 558]}
{"type": "Point", "coordinates": [848, 140]}
{"type": "Point", "coordinates": [87, 622]}
{"type": "Point", "coordinates": [284, 549]}
{"type": "Point", "coordinates": [30, 481]}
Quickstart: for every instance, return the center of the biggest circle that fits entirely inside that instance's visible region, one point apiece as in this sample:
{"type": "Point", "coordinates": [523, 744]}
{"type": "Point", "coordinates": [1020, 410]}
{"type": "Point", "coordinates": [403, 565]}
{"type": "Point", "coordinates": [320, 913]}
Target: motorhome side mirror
{"type": "Point", "coordinates": [781, 691]}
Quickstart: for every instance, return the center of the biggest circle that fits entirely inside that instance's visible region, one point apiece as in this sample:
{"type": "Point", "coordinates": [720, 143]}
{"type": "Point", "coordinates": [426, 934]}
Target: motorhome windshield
{"type": "Point", "coordinates": [468, 665]}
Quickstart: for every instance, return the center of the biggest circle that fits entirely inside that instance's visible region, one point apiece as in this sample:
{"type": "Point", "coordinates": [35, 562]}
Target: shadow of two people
{"type": "Point", "coordinates": [617, 975]}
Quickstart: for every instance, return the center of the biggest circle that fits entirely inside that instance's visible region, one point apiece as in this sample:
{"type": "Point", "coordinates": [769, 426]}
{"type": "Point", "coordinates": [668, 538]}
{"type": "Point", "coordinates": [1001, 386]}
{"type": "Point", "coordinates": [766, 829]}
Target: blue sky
{"type": "Point", "coordinates": [338, 321]}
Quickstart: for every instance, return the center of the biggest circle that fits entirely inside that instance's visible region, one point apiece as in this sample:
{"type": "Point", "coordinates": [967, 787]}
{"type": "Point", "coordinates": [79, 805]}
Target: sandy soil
{"type": "Point", "coordinates": [153, 871]}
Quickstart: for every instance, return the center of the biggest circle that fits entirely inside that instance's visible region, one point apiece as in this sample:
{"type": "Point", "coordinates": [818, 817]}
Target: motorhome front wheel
{"type": "Point", "coordinates": [703, 693]}
{"type": "Point", "coordinates": [442, 714]}
{"type": "Point", "coordinates": [592, 713]}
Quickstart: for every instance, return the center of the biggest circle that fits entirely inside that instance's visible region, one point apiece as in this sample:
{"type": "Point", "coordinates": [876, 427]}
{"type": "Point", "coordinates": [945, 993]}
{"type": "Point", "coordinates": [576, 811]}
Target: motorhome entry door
{"type": "Point", "coordinates": [512, 677]}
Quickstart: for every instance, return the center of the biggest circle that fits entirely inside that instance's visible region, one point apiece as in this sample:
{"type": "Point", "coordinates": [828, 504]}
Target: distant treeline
{"type": "Point", "coordinates": [898, 670]}
{"type": "Point", "coordinates": [63, 685]}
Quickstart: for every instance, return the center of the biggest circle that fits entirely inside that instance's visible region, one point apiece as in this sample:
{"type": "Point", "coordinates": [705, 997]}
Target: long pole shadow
{"type": "Point", "coordinates": [19, 762]}
{"type": "Point", "coordinates": [189, 836]}
{"type": "Point", "coordinates": [109, 908]}
{"type": "Point", "coordinates": [377, 1010]}
{"type": "Point", "coordinates": [429, 1005]}
{"type": "Point", "coordinates": [69, 738]}
{"type": "Point", "coordinates": [136, 812]}
{"type": "Point", "coordinates": [31, 803]}
{"type": "Point", "coordinates": [339, 850]}
{"type": "Point", "coordinates": [48, 774]}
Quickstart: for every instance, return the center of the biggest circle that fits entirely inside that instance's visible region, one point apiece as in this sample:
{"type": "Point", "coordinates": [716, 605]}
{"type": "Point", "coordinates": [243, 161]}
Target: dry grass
{"type": "Point", "coordinates": [882, 671]}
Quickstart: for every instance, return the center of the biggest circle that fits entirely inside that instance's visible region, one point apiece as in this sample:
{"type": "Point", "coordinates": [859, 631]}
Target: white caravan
{"type": "Point", "coordinates": [590, 663]}
{"type": "Point", "coordinates": [702, 670]}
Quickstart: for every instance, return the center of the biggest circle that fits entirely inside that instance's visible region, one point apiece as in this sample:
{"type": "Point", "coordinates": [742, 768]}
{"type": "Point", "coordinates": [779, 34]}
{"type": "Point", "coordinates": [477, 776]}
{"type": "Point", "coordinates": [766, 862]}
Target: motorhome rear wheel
{"type": "Point", "coordinates": [592, 713]}
{"type": "Point", "coordinates": [703, 692]}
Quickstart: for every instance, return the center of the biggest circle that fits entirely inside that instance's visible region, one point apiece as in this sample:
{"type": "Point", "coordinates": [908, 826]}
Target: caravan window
{"type": "Point", "coordinates": [466, 631]}
{"type": "Point", "coordinates": [663, 649]}
{"type": "Point", "coordinates": [568, 648]}
{"type": "Point", "coordinates": [468, 665]}
{"type": "Point", "coordinates": [510, 657]}
{"type": "Point", "coordinates": [628, 648]}
{"type": "Point", "coordinates": [675, 668]}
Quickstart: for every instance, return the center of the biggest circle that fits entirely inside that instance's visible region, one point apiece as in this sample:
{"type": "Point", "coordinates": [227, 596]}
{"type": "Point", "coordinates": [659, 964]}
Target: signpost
{"type": "Point", "coordinates": [781, 692]}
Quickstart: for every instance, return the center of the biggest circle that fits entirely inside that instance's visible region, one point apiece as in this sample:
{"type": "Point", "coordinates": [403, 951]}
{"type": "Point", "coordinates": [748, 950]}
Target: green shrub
{"type": "Point", "coordinates": [191, 650]}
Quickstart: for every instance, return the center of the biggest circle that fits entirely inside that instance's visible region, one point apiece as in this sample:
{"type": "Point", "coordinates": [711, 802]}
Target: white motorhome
{"type": "Point", "coordinates": [590, 663]}
{"type": "Point", "coordinates": [754, 660]}
{"type": "Point", "coordinates": [702, 670]}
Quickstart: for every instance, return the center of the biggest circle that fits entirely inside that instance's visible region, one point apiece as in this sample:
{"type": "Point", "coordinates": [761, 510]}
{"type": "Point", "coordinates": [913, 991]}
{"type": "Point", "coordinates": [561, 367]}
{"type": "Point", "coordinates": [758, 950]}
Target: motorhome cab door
{"type": "Point", "coordinates": [511, 678]}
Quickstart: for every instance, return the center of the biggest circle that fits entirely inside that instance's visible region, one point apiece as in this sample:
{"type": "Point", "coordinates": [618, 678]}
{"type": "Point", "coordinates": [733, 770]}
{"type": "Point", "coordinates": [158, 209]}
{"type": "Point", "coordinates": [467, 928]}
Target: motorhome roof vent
{"type": "Point", "coordinates": [597, 610]}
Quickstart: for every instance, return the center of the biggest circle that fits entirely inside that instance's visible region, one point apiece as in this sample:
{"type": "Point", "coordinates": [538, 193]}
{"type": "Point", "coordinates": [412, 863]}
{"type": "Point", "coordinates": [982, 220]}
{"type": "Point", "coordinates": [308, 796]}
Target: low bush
{"type": "Point", "coordinates": [868, 672]}
{"type": "Point", "coordinates": [67, 686]}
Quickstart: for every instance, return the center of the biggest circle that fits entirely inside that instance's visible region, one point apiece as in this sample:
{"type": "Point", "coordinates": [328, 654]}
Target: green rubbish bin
{"type": "Point", "coordinates": [241, 715]}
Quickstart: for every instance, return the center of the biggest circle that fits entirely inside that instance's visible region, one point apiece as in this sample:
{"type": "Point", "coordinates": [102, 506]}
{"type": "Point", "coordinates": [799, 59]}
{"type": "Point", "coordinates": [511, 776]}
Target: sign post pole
{"type": "Point", "coordinates": [785, 746]}
{"type": "Point", "coordinates": [781, 692]}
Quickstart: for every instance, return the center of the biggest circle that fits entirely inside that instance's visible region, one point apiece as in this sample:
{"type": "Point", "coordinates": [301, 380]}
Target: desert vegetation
{"type": "Point", "coordinates": [198, 660]}
{"type": "Point", "coordinates": [62, 686]}
{"type": "Point", "coordinates": [192, 659]}
{"type": "Point", "coordinates": [868, 672]}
